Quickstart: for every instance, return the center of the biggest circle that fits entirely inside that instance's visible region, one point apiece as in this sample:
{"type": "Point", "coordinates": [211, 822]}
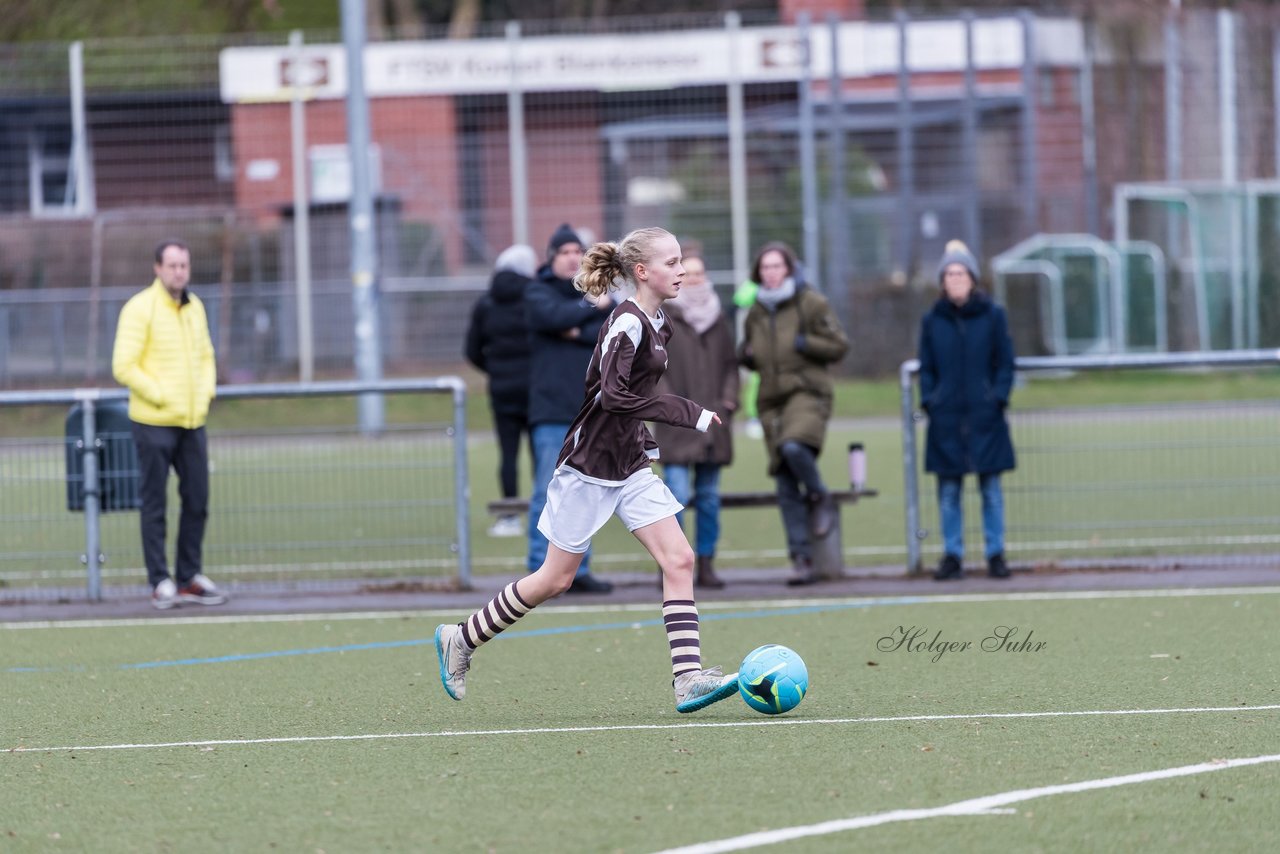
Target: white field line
{"type": "Point", "coordinates": [988, 805]}
{"type": "Point", "coordinates": [450, 563]}
{"type": "Point", "coordinates": [641, 607]}
{"type": "Point", "coordinates": [391, 736]}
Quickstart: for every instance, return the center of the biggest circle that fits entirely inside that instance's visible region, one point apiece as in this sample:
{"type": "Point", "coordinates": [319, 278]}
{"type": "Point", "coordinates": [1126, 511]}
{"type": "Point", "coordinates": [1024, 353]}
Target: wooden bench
{"type": "Point", "coordinates": [828, 551]}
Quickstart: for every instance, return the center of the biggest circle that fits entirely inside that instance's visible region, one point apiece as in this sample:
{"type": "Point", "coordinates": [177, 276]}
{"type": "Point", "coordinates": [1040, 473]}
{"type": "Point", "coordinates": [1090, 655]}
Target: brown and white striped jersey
{"type": "Point", "coordinates": [608, 441]}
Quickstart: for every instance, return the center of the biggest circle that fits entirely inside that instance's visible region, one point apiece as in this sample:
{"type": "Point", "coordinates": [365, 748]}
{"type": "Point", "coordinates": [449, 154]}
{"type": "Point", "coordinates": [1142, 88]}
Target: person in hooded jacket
{"type": "Point", "coordinates": [563, 326]}
{"type": "Point", "coordinates": [791, 336]}
{"type": "Point", "coordinates": [966, 376]}
{"type": "Point", "coordinates": [498, 344]}
{"type": "Point", "coordinates": [701, 366]}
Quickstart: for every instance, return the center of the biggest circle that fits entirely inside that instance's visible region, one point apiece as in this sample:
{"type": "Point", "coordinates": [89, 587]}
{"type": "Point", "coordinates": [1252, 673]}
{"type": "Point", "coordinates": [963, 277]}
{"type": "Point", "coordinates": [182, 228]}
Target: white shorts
{"type": "Point", "coordinates": [577, 507]}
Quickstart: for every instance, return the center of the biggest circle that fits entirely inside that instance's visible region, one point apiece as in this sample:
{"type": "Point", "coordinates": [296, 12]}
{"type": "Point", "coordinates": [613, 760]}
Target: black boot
{"type": "Point", "coordinates": [588, 583]}
{"type": "Point", "coordinates": [949, 569]}
{"type": "Point", "coordinates": [996, 567]}
{"type": "Point", "coordinates": [706, 574]}
{"type": "Point", "coordinates": [801, 572]}
{"type": "Point", "coordinates": [822, 513]}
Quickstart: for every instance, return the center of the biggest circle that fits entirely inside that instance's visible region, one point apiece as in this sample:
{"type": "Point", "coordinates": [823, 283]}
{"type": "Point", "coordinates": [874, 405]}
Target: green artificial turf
{"type": "Point", "coordinates": [619, 770]}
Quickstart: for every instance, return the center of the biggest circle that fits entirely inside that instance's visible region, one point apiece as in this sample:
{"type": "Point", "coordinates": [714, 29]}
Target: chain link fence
{"type": "Point", "coordinates": [1142, 485]}
{"type": "Point", "coordinates": [865, 143]}
{"type": "Point", "coordinates": [295, 505]}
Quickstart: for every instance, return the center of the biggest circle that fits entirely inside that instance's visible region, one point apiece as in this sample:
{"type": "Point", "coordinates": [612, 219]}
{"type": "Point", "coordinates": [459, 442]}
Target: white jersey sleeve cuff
{"type": "Point", "coordinates": [704, 420]}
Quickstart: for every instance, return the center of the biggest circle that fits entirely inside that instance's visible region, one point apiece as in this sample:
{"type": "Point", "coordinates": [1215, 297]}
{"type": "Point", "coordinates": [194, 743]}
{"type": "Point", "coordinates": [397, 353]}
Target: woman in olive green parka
{"type": "Point", "coordinates": [791, 336]}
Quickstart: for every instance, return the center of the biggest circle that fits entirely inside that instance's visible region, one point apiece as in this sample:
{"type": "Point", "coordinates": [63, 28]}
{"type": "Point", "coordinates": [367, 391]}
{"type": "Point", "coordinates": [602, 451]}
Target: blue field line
{"type": "Point", "coordinates": [281, 653]}
{"type": "Point", "coordinates": [529, 633]}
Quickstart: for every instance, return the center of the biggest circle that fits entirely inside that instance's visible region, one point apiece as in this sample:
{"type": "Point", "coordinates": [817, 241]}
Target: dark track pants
{"type": "Point", "coordinates": [187, 453]}
{"type": "Point", "coordinates": [799, 468]}
{"type": "Point", "coordinates": [509, 429]}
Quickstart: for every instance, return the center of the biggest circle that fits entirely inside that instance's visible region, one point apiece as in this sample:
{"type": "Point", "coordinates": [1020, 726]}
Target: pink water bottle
{"type": "Point", "coordinates": [857, 466]}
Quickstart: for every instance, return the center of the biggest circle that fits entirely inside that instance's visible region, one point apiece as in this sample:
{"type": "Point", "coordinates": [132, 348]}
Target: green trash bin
{"type": "Point", "coordinates": [118, 474]}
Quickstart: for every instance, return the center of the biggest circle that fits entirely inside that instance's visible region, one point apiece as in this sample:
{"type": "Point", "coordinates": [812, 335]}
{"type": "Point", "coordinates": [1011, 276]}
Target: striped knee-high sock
{"type": "Point", "coordinates": [681, 619]}
{"type": "Point", "coordinates": [491, 620]}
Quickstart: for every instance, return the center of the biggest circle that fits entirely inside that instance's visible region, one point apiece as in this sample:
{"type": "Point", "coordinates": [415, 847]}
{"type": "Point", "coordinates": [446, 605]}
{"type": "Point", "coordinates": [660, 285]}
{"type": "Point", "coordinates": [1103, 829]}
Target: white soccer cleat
{"type": "Point", "coordinates": [698, 689]}
{"type": "Point", "coordinates": [455, 659]}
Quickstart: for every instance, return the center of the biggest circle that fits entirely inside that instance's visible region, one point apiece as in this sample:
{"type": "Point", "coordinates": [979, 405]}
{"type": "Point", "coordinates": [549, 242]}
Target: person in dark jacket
{"type": "Point", "coordinates": [563, 326]}
{"type": "Point", "coordinates": [791, 336]}
{"type": "Point", "coordinates": [701, 366]}
{"type": "Point", "coordinates": [498, 344]}
{"type": "Point", "coordinates": [966, 375]}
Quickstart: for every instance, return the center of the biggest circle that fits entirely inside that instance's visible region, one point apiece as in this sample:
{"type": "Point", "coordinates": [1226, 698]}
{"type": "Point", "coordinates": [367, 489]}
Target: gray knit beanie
{"type": "Point", "coordinates": [957, 253]}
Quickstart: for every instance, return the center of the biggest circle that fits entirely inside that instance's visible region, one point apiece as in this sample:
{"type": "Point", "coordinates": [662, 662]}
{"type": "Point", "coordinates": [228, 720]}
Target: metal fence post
{"type": "Point", "coordinates": [363, 222]}
{"type": "Point", "coordinates": [88, 447]}
{"type": "Point", "coordinates": [1227, 131]}
{"type": "Point", "coordinates": [808, 154]}
{"type": "Point", "coordinates": [969, 142]}
{"type": "Point", "coordinates": [462, 483]}
{"type": "Point", "coordinates": [518, 150]}
{"type": "Point", "coordinates": [1089, 129]}
{"type": "Point", "coordinates": [910, 485]}
{"type": "Point", "coordinates": [1230, 142]}
{"type": "Point", "coordinates": [838, 232]}
{"type": "Point", "coordinates": [1173, 97]}
{"type": "Point", "coordinates": [906, 151]}
{"type": "Point", "coordinates": [1173, 123]}
{"type": "Point", "coordinates": [81, 187]}
{"type": "Point", "coordinates": [299, 83]}
{"type": "Point", "coordinates": [1030, 102]}
{"type": "Point", "coordinates": [738, 215]}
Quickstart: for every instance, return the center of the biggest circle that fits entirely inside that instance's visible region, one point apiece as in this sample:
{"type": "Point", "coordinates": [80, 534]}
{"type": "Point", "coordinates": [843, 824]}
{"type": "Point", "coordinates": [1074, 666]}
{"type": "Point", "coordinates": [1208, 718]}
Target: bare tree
{"type": "Point", "coordinates": [409, 19]}
{"type": "Point", "coordinates": [375, 19]}
{"type": "Point", "coordinates": [466, 15]}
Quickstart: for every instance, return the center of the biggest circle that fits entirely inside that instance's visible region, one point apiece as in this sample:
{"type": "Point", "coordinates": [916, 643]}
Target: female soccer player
{"type": "Point", "coordinates": [604, 469]}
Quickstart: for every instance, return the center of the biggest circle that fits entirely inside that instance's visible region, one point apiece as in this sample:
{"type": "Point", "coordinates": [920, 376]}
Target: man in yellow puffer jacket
{"type": "Point", "coordinates": [164, 354]}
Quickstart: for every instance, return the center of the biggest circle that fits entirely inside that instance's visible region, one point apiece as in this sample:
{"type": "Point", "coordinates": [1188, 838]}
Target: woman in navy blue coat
{"type": "Point", "coordinates": [966, 375]}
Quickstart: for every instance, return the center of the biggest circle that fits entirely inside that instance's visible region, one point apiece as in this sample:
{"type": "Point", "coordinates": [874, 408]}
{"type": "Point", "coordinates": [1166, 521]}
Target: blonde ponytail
{"type": "Point", "coordinates": [600, 270]}
{"type": "Point", "coordinates": [605, 263]}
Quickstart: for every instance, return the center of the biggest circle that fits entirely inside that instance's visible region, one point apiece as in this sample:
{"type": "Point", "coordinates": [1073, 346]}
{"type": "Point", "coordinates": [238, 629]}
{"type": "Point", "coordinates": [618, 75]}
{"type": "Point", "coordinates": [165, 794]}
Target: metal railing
{"type": "Point", "coordinates": [1148, 480]}
{"type": "Point", "coordinates": [264, 465]}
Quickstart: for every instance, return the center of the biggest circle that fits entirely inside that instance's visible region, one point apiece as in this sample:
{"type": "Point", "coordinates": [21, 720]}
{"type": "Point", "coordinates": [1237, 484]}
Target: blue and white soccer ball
{"type": "Point", "coordinates": [773, 679]}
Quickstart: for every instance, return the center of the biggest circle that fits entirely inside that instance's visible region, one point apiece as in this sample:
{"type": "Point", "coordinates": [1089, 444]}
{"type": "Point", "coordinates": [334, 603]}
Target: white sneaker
{"type": "Point", "coordinates": [165, 595]}
{"type": "Point", "coordinates": [455, 659]}
{"type": "Point", "coordinates": [201, 591]}
{"type": "Point", "coordinates": [698, 689]}
{"type": "Point", "coordinates": [507, 526]}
